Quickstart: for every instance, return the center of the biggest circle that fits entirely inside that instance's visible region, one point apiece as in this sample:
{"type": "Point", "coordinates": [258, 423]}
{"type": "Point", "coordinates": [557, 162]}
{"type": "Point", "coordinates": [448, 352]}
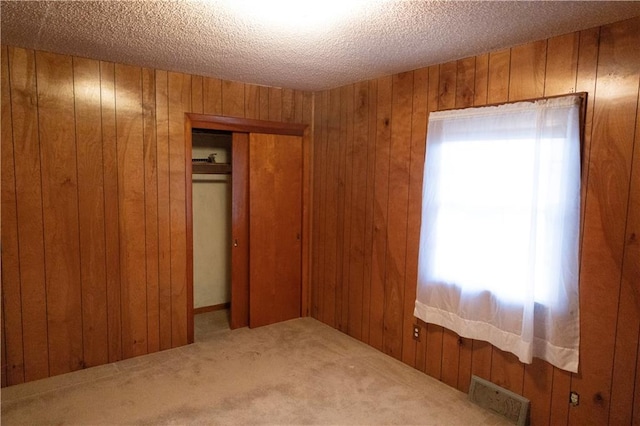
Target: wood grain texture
{"type": "Point", "coordinates": [179, 101]}
{"type": "Point", "coordinates": [26, 151]}
{"type": "Point", "coordinates": [111, 209]}
{"type": "Point", "coordinates": [396, 255]}
{"type": "Point", "coordinates": [240, 231]}
{"type": "Point", "coordinates": [597, 61]}
{"type": "Point", "coordinates": [164, 207]}
{"type": "Point", "coordinates": [12, 352]}
{"type": "Point", "coordinates": [275, 194]}
{"type": "Point", "coordinates": [94, 201]}
{"type": "Point", "coordinates": [358, 210]}
{"type": "Point", "coordinates": [380, 212]}
{"type": "Point", "coordinates": [410, 348]}
{"type": "Point", "coordinates": [150, 151]}
{"type": "Point", "coordinates": [88, 125]}
{"type": "Point", "coordinates": [60, 211]}
{"type": "Point", "coordinates": [233, 98]}
{"type": "Point", "coordinates": [131, 179]}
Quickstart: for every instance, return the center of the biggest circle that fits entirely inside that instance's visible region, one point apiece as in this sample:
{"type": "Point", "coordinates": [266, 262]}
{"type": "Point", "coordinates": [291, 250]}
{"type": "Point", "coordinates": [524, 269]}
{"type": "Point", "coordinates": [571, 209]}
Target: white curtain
{"type": "Point", "coordinates": [500, 227]}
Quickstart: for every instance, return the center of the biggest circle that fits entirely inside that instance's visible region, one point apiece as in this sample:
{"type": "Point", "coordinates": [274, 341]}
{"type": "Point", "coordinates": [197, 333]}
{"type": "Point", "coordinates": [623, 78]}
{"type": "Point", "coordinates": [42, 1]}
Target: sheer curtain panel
{"type": "Point", "coordinates": [500, 227]}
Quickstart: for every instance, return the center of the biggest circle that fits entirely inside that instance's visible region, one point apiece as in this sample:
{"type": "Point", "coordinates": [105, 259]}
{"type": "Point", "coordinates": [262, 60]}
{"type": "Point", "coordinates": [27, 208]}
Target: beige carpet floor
{"type": "Point", "coordinates": [296, 372]}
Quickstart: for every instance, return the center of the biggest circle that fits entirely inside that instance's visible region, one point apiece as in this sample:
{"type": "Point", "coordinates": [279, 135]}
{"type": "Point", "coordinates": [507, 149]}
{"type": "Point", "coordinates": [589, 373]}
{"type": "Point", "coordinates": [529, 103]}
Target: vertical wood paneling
{"type": "Point", "coordinates": [605, 216]}
{"type": "Point", "coordinates": [88, 124]}
{"type": "Point", "coordinates": [26, 149]}
{"type": "Point", "coordinates": [211, 95]}
{"type": "Point", "coordinates": [347, 111]}
{"type": "Point", "coordinates": [369, 210]}
{"type": "Point", "coordinates": [13, 357]}
{"type": "Point", "coordinates": [264, 103]}
{"type": "Point", "coordinates": [304, 114]}
{"type": "Point", "coordinates": [94, 216]}
{"type": "Point", "coordinates": [399, 163]}
{"type": "Point", "coordinates": [340, 210]}
{"type": "Point", "coordinates": [164, 201]}
{"type": "Point", "coordinates": [179, 100]}
{"type": "Point", "coordinates": [151, 202]}
{"type": "Point", "coordinates": [111, 209]}
{"type": "Point", "coordinates": [233, 98]}
{"type": "Point", "coordinates": [331, 201]}
{"type": "Point", "coordinates": [380, 212]}
{"type": "Point", "coordinates": [598, 61]}
{"type": "Point", "coordinates": [275, 104]}
{"type": "Point", "coordinates": [60, 211]}
{"type": "Point", "coordinates": [358, 210]}
{"type": "Point", "coordinates": [412, 352]}
{"type": "Point", "coordinates": [251, 101]}
{"type": "Point", "coordinates": [131, 180]}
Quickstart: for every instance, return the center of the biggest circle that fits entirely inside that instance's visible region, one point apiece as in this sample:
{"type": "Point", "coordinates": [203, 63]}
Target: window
{"type": "Point", "coordinates": [500, 227]}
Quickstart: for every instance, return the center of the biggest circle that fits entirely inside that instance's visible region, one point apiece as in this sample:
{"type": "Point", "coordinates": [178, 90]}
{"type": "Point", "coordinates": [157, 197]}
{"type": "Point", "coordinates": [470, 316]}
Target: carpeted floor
{"type": "Point", "coordinates": [296, 372]}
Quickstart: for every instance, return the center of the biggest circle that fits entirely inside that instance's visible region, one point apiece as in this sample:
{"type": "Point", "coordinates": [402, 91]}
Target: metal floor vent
{"type": "Point", "coordinates": [499, 400]}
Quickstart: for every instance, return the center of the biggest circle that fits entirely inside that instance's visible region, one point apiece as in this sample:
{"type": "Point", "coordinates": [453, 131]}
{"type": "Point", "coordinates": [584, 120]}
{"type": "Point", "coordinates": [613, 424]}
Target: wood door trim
{"type": "Point", "coordinates": [240, 125]}
{"type": "Point", "coordinates": [245, 125]}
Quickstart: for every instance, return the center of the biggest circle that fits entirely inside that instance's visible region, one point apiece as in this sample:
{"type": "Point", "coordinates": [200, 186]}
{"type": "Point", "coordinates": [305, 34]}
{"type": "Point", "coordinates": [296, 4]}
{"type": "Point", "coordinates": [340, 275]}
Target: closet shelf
{"type": "Point", "coordinates": [203, 168]}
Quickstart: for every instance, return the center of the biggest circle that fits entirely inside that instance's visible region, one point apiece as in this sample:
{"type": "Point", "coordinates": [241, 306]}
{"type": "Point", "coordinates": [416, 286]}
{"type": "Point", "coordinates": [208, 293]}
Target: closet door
{"type": "Point", "coordinates": [275, 228]}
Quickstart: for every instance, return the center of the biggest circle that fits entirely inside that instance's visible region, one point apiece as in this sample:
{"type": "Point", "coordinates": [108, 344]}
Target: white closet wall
{"type": "Point", "coordinates": [211, 227]}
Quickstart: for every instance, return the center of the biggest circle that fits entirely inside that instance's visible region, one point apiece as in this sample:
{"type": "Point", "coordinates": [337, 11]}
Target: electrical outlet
{"type": "Point", "coordinates": [416, 332]}
{"type": "Point", "coordinates": [574, 399]}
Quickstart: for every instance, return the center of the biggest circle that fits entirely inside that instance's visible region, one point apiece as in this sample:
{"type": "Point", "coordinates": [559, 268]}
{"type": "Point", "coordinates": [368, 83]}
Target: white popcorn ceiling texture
{"type": "Point", "coordinates": [208, 38]}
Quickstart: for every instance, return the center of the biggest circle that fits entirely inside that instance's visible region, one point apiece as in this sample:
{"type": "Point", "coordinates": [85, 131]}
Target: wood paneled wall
{"type": "Point", "coordinates": [94, 219]}
{"type": "Point", "coordinates": [369, 154]}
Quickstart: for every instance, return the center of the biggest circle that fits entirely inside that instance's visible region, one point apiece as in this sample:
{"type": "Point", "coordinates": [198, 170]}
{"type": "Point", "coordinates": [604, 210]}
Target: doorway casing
{"type": "Point", "coordinates": [241, 128]}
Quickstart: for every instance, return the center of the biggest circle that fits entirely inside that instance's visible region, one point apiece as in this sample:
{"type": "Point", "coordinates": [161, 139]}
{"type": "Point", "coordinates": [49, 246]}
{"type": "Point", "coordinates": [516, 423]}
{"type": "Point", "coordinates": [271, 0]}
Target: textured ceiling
{"type": "Point", "coordinates": [372, 38]}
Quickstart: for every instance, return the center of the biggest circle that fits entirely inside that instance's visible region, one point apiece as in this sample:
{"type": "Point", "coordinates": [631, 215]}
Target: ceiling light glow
{"type": "Point", "coordinates": [305, 15]}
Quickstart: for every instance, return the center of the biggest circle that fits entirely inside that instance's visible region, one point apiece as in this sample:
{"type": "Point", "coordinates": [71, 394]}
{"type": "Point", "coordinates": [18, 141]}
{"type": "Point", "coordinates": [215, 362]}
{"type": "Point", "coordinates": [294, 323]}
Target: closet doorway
{"type": "Point", "coordinates": [268, 239]}
{"type": "Point", "coordinates": [211, 208]}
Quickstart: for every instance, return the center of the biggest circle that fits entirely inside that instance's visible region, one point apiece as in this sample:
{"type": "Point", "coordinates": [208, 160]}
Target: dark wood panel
{"type": "Point", "coordinates": [264, 103]}
{"type": "Point", "coordinates": [358, 210]}
{"type": "Point", "coordinates": [164, 207]}
{"type": "Point", "coordinates": [197, 94]}
{"type": "Point", "coordinates": [111, 209]}
{"type": "Point", "coordinates": [151, 204]}
{"type": "Point", "coordinates": [344, 205]}
{"type": "Point", "coordinates": [396, 255]}
{"type": "Point", "coordinates": [412, 352]}
{"type": "Point", "coordinates": [179, 102]}
{"type": "Point", "coordinates": [380, 212]}
{"type": "Point", "coordinates": [369, 210]}
{"type": "Point", "coordinates": [304, 102]}
{"type": "Point", "coordinates": [88, 125]}
{"type": "Point", "coordinates": [331, 203]}
{"type": "Point", "coordinates": [240, 231]}
{"type": "Point", "coordinates": [288, 106]}
{"type": "Point", "coordinates": [131, 204]}
{"type": "Point", "coordinates": [12, 352]}
{"type": "Point", "coordinates": [60, 211]}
